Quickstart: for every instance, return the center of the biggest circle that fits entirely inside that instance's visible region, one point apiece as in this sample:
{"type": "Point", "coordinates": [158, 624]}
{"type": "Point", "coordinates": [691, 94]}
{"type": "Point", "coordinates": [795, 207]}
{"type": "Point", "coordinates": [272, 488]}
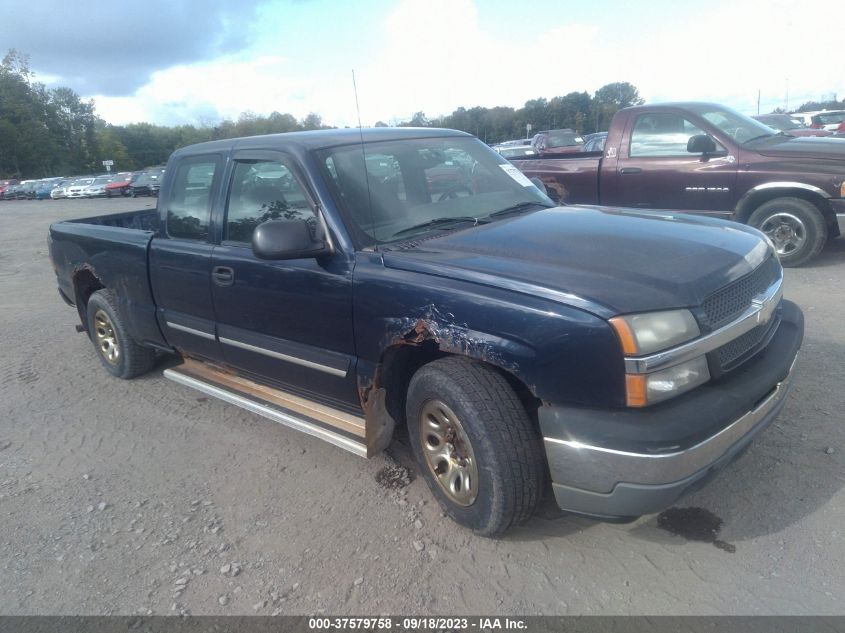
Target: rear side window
{"type": "Point", "coordinates": [662, 134]}
{"type": "Point", "coordinates": [261, 191]}
{"type": "Point", "coordinates": [189, 205]}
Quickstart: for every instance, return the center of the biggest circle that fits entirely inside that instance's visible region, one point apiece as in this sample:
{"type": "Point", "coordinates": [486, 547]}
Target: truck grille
{"type": "Point", "coordinates": [732, 353]}
{"type": "Point", "coordinates": [727, 303]}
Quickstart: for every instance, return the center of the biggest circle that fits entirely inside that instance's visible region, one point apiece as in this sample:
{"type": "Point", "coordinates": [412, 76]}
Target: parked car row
{"type": "Point", "coordinates": [141, 183]}
{"type": "Point", "coordinates": [829, 120]}
{"type": "Point", "coordinates": [790, 124]}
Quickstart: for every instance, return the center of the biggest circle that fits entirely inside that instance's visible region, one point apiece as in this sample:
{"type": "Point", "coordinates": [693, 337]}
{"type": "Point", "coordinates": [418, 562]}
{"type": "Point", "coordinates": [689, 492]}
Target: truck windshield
{"type": "Point", "coordinates": [739, 127]}
{"type": "Point", "coordinates": [395, 190]}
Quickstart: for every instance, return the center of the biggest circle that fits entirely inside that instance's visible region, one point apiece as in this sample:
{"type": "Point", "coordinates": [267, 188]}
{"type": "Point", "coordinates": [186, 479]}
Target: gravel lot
{"type": "Point", "coordinates": [146, 497]}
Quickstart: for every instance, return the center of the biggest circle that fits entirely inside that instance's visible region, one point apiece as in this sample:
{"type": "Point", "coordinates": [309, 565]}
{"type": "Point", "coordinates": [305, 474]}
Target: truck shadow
{"type": "Point", "coordinates": [832, 255]}
{"type": "Point", "coordinates": [792, 469]}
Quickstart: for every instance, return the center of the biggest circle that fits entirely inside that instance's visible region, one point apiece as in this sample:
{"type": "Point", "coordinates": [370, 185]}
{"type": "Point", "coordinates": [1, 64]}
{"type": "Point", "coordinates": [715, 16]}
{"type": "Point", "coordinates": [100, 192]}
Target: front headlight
{"type": "Point", "coordinates": [654, 331]}
{"type": "Point", "coordinates": [646, 389]}
{"type": "Point", "coordinates": [650, 332]}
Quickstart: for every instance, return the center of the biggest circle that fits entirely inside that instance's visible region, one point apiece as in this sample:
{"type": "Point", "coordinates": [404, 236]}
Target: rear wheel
{"type": "Point", "coordinates": [119, 354]}
{"type": "Point", "coordinates": [795, 226]}
{"type": "Point", "coordinates": [478, 450]}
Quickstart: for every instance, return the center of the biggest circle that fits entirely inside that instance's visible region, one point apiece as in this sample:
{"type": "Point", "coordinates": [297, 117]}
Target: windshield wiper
{"type": "Point", "coordinates": [755, 138]}
{"type": "Point", "coordinates": [436, 222]}
{"type": "Point", "coordinates": [518, 208]}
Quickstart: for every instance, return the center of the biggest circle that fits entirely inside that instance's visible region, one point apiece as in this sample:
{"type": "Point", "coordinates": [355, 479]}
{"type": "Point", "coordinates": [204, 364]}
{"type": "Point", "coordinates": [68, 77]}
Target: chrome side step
{"type": "Point", "coordinates": [336, 427]}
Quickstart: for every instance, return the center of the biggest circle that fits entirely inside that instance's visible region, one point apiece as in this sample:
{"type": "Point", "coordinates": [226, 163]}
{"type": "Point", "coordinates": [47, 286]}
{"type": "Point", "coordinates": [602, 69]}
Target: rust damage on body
{"type": "Point", "coordinates": [84, 288]}
{"type": "Point", "coordinates": [378, 422]}
{"type": "Point", "coordinates": [446, 333]}
{"type": "Point", "coordinates": [436, 330]}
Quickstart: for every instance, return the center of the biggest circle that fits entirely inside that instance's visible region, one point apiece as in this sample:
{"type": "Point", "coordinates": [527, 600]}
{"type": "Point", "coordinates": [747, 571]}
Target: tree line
{"type": "Point", "coordinates": [577, 110]}
{"type": "Point", "coordinates": [53, 132]}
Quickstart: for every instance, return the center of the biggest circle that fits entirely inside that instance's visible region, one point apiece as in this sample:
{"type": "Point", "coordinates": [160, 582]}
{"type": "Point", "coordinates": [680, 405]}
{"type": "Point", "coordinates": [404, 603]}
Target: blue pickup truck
{"type": "Point", "coordinates": [353, 284]}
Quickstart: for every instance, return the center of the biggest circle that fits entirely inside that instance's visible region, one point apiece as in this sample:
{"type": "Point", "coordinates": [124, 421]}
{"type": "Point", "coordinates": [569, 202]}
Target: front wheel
{"type": "Point", "coordinates": [478, 450]}
{"type": "Point", "coordinates": [119, 354]}
{"type": "Point", "coordinates": [795, 226]}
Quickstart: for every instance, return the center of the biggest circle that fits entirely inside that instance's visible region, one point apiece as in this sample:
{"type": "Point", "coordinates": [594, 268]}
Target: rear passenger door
{"type": "Point", "coordinates": [180, 257]}
{"type": "Point", "coordinates": [284, 321]}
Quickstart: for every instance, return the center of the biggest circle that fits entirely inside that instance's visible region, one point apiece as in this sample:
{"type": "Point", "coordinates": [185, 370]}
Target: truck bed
{"type": "Point", "coordinates": [115, 250]}
{"type": "Point", "coordinates": [571, 178]}
{"type": "Point", "coordinates": [143, 220]}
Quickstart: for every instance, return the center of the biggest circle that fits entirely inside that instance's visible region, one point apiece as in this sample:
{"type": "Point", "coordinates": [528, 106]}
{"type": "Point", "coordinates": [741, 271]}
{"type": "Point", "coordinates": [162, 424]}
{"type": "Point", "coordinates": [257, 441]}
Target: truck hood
{"type": "Point", "coordinates": [605, 260]}
{"type": "Point", "coordinates": [822, 147]}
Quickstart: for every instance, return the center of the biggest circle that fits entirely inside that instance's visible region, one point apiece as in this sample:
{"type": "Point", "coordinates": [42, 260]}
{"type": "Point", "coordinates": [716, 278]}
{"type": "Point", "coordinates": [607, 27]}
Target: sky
{"type": "Point", "coordinates": [200, 61]}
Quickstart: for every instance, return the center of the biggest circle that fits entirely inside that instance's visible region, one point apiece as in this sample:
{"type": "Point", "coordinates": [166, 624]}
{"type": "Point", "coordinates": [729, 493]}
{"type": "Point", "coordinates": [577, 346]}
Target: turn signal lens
{"type": "Point", "coordinates": [635, 386]}
{"type": "Point", "coordinates": [626, 336]}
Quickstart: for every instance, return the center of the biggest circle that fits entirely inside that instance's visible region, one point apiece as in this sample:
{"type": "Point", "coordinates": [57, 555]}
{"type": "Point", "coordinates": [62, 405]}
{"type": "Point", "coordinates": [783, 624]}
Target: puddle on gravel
{"type": "Point", "coordinates": [393, 477]}
{"type": "Point", "coordinates": [694, 524]}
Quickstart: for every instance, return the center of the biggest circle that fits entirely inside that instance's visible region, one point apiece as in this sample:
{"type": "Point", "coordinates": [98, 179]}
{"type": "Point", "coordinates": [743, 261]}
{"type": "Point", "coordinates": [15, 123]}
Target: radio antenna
{"type": "Point", "coordinates": [364, 156]}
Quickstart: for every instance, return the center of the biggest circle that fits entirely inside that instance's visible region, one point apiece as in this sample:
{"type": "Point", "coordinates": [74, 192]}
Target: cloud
{"type": "Point", "coordinates": [204, 93]}
{"type": "Point", "coordinates": [107, 48]}
{"type": "Point", "coordinates": [441, 54]}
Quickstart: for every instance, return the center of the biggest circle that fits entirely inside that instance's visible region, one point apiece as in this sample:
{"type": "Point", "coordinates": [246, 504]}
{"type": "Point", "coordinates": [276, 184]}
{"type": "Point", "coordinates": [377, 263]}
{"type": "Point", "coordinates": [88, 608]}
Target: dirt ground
{"type": "Point", "coordinates": [146, 497]}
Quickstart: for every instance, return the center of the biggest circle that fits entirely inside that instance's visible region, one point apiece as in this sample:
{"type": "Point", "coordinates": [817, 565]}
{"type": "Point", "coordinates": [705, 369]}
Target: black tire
{"type": "Point", "coordinates": [131, 359]}
{"type": "Point", "coordinates": [802, 218]}
{"type": "Point", "coordinates": [506, 445]}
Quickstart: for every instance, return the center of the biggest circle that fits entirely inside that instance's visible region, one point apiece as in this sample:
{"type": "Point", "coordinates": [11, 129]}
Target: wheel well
{"type": "Point", "coordinates": [752, 203]}
{"type": "Point", "coordinates": [400, 362]}
{"type": "Point", "coordinates": [85, 283]}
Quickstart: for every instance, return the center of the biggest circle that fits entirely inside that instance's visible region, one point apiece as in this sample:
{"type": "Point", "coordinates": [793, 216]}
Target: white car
{"type": "Point", "coordinates": [60, 189]}
{"type": "Point", "coordinates": [97, 189]}
{"type": "Point", "coordinates": [77, 188]}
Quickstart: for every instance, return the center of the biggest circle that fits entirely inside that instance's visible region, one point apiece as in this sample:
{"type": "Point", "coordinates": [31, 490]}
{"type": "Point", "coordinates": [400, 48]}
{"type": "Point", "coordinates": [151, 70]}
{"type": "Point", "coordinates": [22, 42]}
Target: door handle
{"type": "Point", "coordinates": [223, 275]}
{"type": "Point", "coordinates": [630, 170]}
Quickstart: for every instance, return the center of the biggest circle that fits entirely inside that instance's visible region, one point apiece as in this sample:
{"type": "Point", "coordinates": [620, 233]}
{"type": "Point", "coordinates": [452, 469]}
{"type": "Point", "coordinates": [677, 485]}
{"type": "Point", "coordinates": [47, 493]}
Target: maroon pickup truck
{"type": "Point", "coordinates": [705, 158]}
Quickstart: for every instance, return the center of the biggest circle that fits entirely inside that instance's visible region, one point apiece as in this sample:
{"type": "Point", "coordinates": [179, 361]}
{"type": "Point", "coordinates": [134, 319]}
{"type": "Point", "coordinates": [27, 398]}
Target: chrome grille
{"type": "Point", "coordinates": [727, 303]}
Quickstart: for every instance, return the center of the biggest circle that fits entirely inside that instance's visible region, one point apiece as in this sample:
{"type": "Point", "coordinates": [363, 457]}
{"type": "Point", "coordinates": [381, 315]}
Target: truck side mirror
{"type": "Point", "coordinates": [701, 144]}
{"type": "Point", "coordinates": [286, 239]}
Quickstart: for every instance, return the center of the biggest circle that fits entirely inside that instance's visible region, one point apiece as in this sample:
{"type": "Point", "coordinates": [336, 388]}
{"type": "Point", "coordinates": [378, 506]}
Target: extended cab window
{"type": "Point", "coordinates": [261, 191]}
{"type": "Point", "coordinates": [661, 134]}
{"type": "Point", "coordinates": [189, 205]}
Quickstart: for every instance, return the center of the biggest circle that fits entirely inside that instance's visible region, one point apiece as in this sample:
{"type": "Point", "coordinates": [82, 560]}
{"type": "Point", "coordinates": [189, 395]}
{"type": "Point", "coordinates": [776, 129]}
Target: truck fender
{"type": "Point", "coordinates": [409, 343]}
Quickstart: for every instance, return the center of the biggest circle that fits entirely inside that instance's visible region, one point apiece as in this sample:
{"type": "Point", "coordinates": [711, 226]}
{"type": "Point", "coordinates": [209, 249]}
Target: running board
{"type": "Point", "coordinates": [336, 427]}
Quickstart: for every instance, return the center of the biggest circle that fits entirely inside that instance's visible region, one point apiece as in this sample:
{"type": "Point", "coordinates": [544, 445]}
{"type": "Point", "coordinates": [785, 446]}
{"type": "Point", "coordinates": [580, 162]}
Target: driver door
{"type": "Point", "coordinates": [286, 321]}
{"type": "Point", "coordinates": [655, 171]}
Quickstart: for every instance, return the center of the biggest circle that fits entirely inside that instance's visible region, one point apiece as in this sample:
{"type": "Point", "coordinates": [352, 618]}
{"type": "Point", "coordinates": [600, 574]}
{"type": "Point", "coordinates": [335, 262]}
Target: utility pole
{"type": "Point", "coordinates": [786, 103]}
{"type": "Point", "coordinates": [758, 101]}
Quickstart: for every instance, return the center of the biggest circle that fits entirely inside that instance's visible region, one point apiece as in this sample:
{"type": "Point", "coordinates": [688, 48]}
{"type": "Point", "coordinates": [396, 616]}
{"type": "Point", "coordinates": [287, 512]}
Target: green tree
{"type": "Point", "coordinates": [611, 98]}
{"type": "Point", "coordinates": [418, 120]}
{"type": "Point", "coordinates": [312, 122]}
